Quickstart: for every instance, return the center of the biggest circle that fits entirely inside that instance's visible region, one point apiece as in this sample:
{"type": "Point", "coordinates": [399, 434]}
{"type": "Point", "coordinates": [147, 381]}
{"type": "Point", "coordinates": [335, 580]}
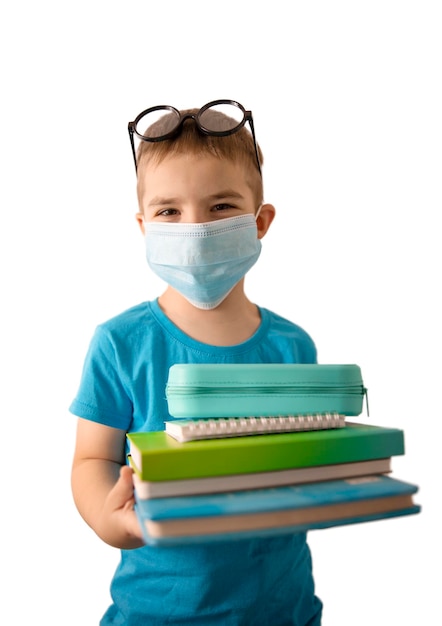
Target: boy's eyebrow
{"type": "Point", "coordinates": [225, 193]}
{"type": "Point", "coordinates": [158, 201]}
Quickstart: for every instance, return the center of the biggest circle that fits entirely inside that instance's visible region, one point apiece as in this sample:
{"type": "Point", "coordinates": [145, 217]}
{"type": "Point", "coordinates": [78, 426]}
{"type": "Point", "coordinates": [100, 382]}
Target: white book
{"type": "Point", "coordinates": [259, 480]}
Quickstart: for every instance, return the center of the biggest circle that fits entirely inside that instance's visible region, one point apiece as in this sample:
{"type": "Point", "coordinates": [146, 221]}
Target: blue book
{"type": "Point", "coordinates": [286, 509]}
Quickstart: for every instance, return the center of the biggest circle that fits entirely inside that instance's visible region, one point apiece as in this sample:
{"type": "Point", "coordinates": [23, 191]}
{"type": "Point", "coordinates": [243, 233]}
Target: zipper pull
{"type": "Point", "coordinates": [365, 392]}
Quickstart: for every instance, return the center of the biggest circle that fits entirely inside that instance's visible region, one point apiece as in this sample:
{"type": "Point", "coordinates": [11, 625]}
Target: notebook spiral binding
{"type": "Point", "coordinates": [206, 428]}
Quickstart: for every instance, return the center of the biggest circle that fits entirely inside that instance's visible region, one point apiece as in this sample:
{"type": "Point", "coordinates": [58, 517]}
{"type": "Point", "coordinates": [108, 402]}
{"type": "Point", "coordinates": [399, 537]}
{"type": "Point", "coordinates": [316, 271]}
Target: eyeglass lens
{"type": "Point", "coordinates": [221, 117]}
{"type": "Point", "coordinates": [149, 125]}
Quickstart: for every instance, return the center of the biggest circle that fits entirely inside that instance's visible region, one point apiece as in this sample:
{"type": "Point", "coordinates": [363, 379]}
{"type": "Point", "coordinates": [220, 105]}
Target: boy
{"type": "Point", "coordinates": [202, 213]}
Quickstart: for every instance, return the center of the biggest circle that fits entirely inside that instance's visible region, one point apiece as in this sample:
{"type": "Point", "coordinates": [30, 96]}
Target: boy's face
{"type": "Point", "coordinates": [196, 189]}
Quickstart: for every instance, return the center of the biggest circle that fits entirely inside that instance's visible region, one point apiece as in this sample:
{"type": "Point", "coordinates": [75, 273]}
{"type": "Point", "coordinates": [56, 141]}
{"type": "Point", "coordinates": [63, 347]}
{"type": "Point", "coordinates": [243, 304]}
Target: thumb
{"type": "Point", "coordinates": [126, 473]}
{"type": "Point", "coordinates": [123, 491]}
{"type": "Point", "coordinates": [126, 489]}
{"type": "Point", "coordinates": [120, 507]}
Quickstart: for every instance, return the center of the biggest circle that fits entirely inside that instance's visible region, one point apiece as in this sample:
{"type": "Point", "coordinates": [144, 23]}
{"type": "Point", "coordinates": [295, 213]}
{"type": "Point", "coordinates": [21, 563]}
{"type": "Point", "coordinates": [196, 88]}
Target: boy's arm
{"type": "Point", "coordinates": [102, 484]}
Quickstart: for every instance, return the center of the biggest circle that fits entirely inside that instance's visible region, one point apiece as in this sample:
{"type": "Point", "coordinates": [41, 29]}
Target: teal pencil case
{"type": "Point", "coordinates": [258, 389]}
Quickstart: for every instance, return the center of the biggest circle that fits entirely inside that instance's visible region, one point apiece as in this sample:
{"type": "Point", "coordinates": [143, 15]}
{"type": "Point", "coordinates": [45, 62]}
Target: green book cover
{"type": "Point", "coordinates": [158, 456]}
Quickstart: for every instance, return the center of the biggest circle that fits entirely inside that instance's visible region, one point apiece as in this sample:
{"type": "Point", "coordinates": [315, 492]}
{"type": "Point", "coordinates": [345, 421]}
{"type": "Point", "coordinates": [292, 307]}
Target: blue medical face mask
{"type": "Point", "coordinates": [203, 262]}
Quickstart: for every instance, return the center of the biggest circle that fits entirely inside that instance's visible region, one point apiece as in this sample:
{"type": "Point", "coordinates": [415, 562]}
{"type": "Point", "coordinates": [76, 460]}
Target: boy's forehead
{"type": "Point", "coordinates": [205, 172]}
{"type": "Point", "coordinates": [190, 161]}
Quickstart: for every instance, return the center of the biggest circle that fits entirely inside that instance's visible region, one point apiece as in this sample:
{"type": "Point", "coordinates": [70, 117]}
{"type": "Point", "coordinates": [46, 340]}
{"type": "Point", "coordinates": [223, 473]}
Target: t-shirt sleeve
{"type": "Point", "coordinates": [288, 342]}
{"type": "Point", "coordinates": [102, 395]}
{"type": "Point", "coordinates": [308, 350]}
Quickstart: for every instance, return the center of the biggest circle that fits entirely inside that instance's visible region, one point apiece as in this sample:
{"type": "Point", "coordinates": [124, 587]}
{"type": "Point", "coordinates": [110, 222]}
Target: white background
{"type": "Point", "coordinates": [347, 103]}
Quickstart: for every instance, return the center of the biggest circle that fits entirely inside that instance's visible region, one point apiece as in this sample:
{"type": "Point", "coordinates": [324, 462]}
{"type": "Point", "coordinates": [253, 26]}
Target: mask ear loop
{"type": "Point", "coordinates": [259, 210]}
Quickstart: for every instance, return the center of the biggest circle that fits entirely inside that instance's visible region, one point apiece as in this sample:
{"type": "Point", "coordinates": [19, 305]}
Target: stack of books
{"type": "Point", "coordinates": [215, 473]}
{"type": "Point", "coordinates": [248, 477]}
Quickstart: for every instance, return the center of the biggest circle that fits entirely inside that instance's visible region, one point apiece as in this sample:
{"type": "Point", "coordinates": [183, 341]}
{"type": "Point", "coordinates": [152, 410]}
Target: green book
{"type": "Point", "coordinates": [158, 456]}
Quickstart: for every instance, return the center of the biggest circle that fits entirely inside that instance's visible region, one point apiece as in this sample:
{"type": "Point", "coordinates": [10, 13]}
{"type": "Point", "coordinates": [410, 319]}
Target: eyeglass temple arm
{"type": "Point", "coordinates": [132, 143]}
{"type": "Point", "coordinates": [252, 128]}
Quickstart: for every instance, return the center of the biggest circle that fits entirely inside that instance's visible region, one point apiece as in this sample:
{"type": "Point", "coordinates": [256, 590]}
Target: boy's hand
{"type": "Point", "coordinates": [102, 484]}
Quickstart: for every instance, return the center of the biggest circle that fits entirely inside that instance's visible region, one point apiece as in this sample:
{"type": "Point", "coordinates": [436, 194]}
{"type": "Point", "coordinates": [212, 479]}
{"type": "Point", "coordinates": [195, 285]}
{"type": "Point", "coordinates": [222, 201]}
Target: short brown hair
{"type": "Point", "coordinates": [238, 147]}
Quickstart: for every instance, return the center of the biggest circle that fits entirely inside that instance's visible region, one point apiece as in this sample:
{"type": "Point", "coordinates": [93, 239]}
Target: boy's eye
{"type": "Point", "coordinates": [167, 212]}
{"type": "Point", "coordinates": [222, 207]}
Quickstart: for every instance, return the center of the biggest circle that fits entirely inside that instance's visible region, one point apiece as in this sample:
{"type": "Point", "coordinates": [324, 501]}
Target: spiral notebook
{"type": "Point", "coordinates": [210, 428]}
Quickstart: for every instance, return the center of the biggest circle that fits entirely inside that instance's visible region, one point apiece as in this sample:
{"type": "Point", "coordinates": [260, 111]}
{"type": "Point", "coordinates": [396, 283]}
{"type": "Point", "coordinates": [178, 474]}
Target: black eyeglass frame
{"type": "Point", "coordinates": [247, 117]}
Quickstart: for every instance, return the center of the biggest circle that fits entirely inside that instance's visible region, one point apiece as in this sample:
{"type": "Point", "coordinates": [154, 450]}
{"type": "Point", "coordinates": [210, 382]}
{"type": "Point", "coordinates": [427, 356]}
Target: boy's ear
{"type": "Point", "coordinates": [140, 219]}
{"type": "Point", "coordinates": [264, 219]}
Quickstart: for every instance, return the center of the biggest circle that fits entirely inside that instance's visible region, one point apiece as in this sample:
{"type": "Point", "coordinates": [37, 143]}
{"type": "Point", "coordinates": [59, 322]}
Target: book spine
{"type": "Point", "coordinates": [265, 532]}
{"type": "Point", "coordinates": [260, 453]}
{"type": "Point", "coordinates": [276, 498]}
{"type": "Point", "coordinates": [258, 480]}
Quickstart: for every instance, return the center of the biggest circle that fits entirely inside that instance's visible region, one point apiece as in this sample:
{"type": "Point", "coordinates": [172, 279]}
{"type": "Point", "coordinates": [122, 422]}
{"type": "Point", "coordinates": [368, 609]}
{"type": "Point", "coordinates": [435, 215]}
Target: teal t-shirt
{"type": "Point", "coordinates": [265, 581]}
